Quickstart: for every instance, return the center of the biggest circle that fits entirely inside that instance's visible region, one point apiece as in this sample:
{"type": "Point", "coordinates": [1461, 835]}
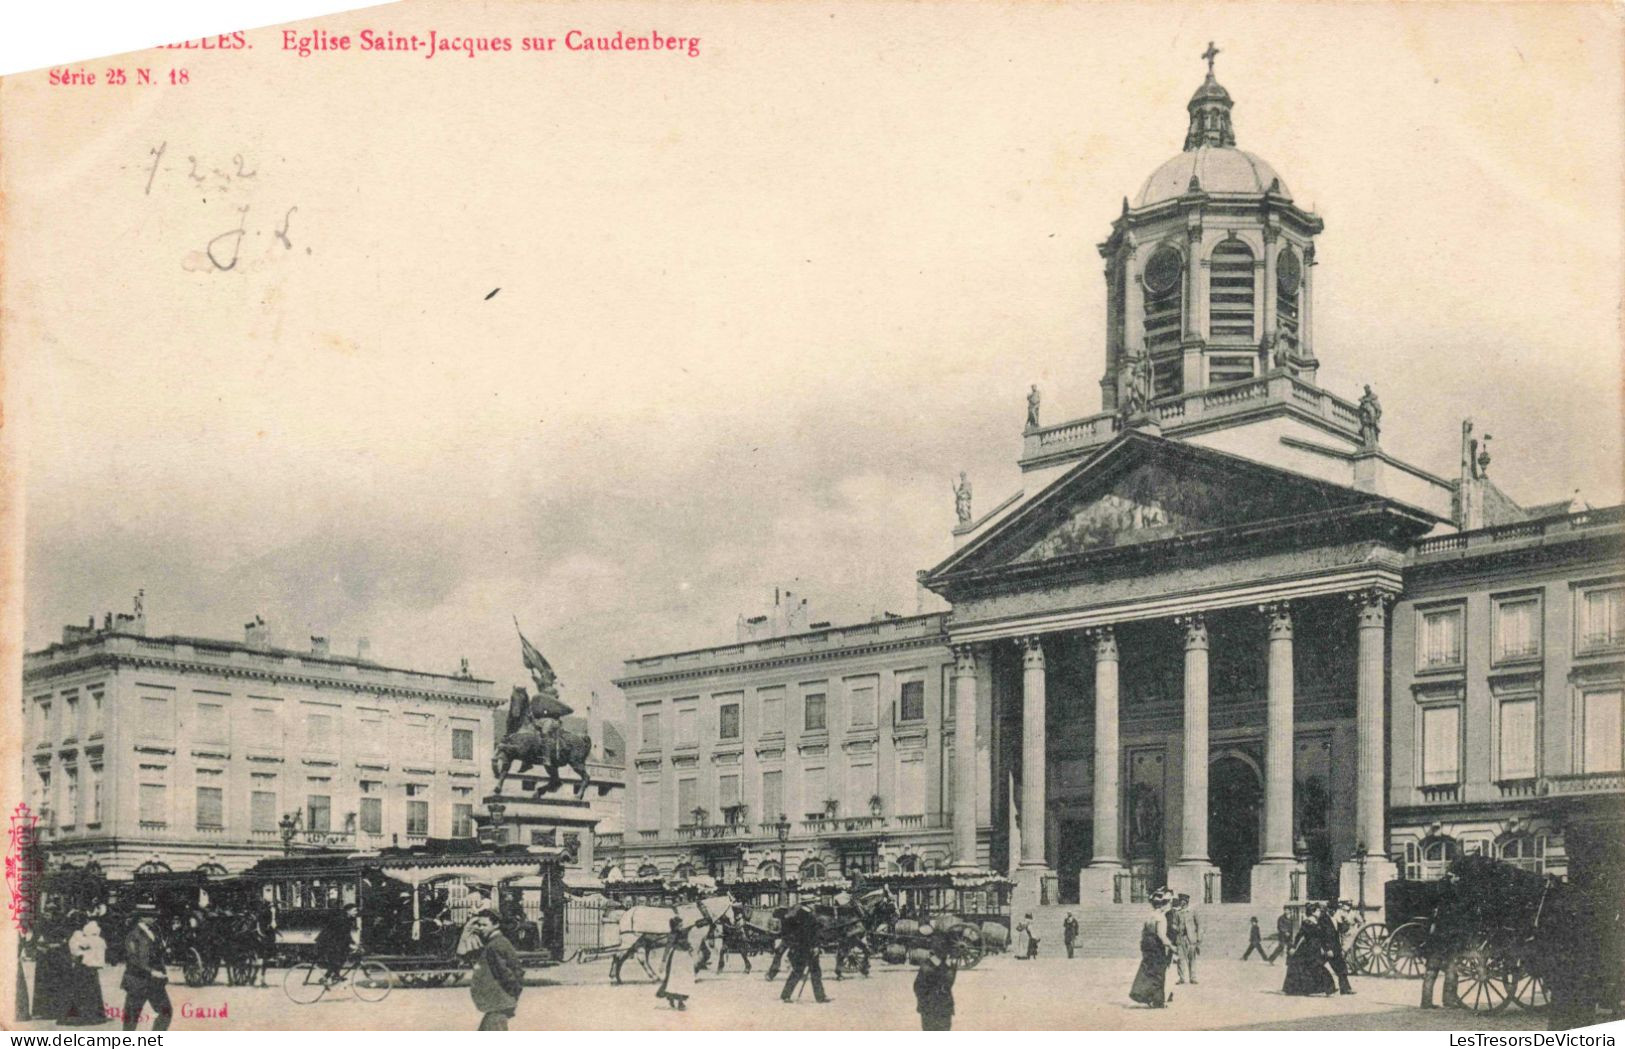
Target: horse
{"type": "Point", "coordinates": [530, 748]}
{"type": "Point", "coordinates": [649, 927]}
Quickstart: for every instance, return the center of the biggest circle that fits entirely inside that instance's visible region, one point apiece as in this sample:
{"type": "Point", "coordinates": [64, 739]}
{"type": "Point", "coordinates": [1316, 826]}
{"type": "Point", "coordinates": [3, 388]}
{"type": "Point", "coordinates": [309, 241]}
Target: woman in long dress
{"type": "Point", "coordinates": [82, 991]}
{"type": "Point", "coordinates": [677, 979]}
{"type": "Point", "coordinates": [1155, 950]}
{"type": "Point", "coordinates": [1306, 971]}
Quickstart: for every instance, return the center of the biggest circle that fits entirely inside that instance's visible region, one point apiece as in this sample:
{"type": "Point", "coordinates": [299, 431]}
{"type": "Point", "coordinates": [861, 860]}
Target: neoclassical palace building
{"type": "Point", "coordinates": [1222, 638]}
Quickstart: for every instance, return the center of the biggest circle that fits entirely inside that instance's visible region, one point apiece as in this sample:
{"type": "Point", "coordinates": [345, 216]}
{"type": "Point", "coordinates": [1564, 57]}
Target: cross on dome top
{"type": "Point", "coordinates": [1210, 110]}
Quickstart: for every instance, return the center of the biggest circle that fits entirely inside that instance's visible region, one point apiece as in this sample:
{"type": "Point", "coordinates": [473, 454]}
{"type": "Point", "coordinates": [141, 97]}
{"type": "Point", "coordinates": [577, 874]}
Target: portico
{"type": "Point", "coordinates": [1141, 618]}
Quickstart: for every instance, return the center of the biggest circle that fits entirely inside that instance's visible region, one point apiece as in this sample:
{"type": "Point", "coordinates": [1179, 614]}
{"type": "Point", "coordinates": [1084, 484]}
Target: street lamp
{"type": "Point", "coordinates": [287, 825]}
{"type": "Point", "coordinates": [1359, 862]}
{"type": "Point", "coordinates": [782, 828]}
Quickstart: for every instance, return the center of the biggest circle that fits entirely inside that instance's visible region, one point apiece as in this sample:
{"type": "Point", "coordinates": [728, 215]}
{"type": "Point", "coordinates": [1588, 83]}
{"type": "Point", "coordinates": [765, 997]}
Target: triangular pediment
{"type": "Point", "coordinates": [1144, 489]}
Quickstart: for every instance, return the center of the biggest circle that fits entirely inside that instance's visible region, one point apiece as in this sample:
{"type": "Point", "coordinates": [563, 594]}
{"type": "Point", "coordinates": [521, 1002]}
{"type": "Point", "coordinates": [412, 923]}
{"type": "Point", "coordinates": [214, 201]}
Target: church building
{"type": "Point", "coordinates": [1223, 639]}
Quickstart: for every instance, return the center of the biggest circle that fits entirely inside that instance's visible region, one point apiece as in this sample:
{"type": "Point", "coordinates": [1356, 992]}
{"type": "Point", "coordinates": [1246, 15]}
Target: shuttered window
{"type": "Point", "coordinates": [1230, 291]}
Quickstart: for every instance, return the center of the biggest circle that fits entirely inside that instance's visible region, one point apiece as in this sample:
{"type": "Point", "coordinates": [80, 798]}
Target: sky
{"type": "Point", "coordinates": [753, 311]}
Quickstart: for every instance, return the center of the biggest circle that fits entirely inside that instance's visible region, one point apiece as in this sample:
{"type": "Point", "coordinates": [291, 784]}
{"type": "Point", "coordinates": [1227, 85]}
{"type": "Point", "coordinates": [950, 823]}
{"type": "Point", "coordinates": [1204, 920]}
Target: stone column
{"type": "Point", "coordinates": [1189, 874]}
{"type": "Point", "coordinates": [964, 756]}
{"type": "Point", "coordinates": [1096, 881]}
{"type": "Point", "coordinates": [1034, 882]}
{"type": "Point", "coordinates": [1273, 880]}
{"type": "Point", "coordinates": [1370, 784]}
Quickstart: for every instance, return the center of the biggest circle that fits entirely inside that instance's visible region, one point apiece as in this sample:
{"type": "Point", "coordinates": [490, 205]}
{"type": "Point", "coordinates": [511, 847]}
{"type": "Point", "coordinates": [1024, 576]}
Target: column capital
{"type": "Point", "coordinates": [1279, 614]}
{"type": "Point", "coordinates": [964, 659]}
{"type": "Point", "coordinates": [1032, 649]}
{"type": "Point", "coordinates": [1372, 605]}
{"type": "Point", "coordinates": [1195, 625]}
{"type": "Point", "coordinates": [1105, 640]}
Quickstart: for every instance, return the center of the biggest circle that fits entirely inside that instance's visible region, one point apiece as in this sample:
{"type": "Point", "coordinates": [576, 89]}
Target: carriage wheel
{"type": "Point", "coordinates": [304, 983]}
{"type": "Point", "coordinates": [371, 981]}
{"type": "Point", "coordinates": [1529, 991]}
{"type": "Point", "coordinates": [1472, 978]}
{"type": "Point", "coordinates": [241, 972]}
{"type": "Point", "coordinates": [856, 959]}
{"type": "Point", "coordinates": [1404, 950]}
{"type": "Point", "coordinates": [967, 946]}
{"type": "Point", "coordinates": [1368, 954]}
{"type": "Point", "coordinates": [198, 972]}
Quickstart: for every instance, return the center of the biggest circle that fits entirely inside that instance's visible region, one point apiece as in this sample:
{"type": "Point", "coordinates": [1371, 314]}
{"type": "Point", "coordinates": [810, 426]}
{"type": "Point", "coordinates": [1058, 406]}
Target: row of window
{"type": "Point", "coordinates": [1599, 736]}
{"type": "Point", "coordinates": [1516, 627]}
{"type": "Point", "coordinates": [813, 712]}
{"type": "Point", "coordinates": [1428, 860]}
{"type": "Point", "coordinates": [321, 723]}
{"type": "Point", "coordinates": [1232, 296]}
{"type": "Point", "coordinates": [816, 798]}
{"type": "Point", "coordinates": [79, 720]}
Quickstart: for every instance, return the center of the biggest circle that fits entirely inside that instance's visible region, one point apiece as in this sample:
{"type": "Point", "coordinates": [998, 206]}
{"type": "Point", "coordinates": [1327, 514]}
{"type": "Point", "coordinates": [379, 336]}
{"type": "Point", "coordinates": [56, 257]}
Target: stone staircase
{"type": "Point", "coordinates": [1114, 932]}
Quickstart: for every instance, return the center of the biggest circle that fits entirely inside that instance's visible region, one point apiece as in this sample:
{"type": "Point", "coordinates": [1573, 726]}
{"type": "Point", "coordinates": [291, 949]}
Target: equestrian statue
{"type": "Point", "coordinates": [535, 734]}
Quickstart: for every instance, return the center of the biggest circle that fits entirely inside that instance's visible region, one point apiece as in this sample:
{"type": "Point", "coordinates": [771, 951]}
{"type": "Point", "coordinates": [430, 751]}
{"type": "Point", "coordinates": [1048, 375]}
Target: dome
{"type": "Point", "coordinates": [1218, 169]}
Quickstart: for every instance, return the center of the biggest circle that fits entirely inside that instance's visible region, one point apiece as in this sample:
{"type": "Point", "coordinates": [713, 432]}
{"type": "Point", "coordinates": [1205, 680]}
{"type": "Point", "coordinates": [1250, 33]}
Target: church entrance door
{"type": "Point", "coordinates": [1234, 799]}
{"type": "Point", "coordinates": [1072, 852]}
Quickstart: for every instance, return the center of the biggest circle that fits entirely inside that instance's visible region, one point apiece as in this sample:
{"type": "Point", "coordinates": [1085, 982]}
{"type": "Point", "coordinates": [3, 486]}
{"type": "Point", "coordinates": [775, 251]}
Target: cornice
{"type": "Point", "coordinates": [788, 659]}
{"type": "Point", "coordinates": [119, 660]}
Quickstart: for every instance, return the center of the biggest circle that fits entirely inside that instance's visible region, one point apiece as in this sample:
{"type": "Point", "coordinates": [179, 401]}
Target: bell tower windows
{"type": "Point", "coordinates": [1288, 286]}
{"type": "Point", "coordinates": [1230, 292]}
{"type": "Point", "coordinates": [1164, 301]}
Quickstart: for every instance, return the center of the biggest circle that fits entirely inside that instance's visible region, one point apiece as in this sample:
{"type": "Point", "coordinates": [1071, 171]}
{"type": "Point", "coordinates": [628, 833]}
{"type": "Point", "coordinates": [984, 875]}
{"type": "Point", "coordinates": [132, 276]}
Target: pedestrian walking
{"type": "Point", "coordinates": [801, 937]}
{"type": "Point", "coordinates": [1306, 972]}
{"type": "Point", "coordinates": [677, 974]}
{"type": "Point", "coordinates": [1255, 941]}
{"type": "Point", "coordinates": [1335, 929]}
{"type": "Point", "coordinates": [1150, 981]}
{"type": "Point", "coordinates": [499, 975]}
{"type": "Point", "coordinates": [1030, 929]}
{"type": "Point", "coordinates": [934, 989]}
{"type": "Point", "coordinates": [145, 974]}
{"type": "Point", "coordinates": [1283, 934]}
{"type": "Point", "coordinates": [1180, 931]}
{"type": "Point", "coordinates": [82, 1001]}
{"type": "Point", "coordinates": [1069, 933]}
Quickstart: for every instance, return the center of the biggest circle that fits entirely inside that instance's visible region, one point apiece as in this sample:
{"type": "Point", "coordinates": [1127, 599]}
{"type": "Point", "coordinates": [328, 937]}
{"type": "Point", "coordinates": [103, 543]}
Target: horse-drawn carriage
{"type": "Point", "coordinates": [412, 904]}
{"type": "Point", "coordinates": [1490, 925]}
{"type": "Point", "coordinates": [205, 921]}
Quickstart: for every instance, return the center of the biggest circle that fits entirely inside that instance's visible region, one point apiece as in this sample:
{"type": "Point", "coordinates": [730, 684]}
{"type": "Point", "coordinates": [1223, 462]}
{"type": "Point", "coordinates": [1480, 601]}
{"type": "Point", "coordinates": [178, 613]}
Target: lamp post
{"type": "Point", "coordinates": [287, 825]}
{"type": "Point", "coordinates": [782, 828]}
{"type": "Point", "coordinates": [1359, 865]}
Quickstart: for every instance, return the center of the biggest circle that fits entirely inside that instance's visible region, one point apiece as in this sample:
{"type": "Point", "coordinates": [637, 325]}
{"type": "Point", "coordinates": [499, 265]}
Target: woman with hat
{"type": "Point", "coordinates": [1156, 948]}
{"type": "Point", "coordinates": [83, 1003]}
{"type": "Point", "coordinates": [677, 981]}
{"type": "Point", "coordinates": [934, 984]}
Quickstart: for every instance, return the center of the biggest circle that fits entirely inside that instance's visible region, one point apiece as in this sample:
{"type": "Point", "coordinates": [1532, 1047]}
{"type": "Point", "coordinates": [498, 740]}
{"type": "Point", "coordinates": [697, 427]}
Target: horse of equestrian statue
{"type": "Point", "coordinates": [535, 737]}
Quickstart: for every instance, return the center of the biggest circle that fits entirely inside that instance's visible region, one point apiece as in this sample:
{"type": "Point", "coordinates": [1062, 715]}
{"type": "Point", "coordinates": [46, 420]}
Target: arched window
{"type": "Point", "coordinates": [1164, 301]}
{"type": "Point", "coordinates": [648, 870]}
{"type": "Point", "coordinates": [1525, 850]}
{"type": "Point", "coordinates": [768, 869]}
{"type": "Point", "coordinates": [1288, 289]}
{"type": "Point", "coordinates": [684, 872]}
{"type": "Point", "coordinates": [1428, 859]}
{"type": "Point", "coordinates": [908, 864]}
{"type": "Point", "coordinates": [1230, 291]}
{"type": "Point", "coordinates": [812, 870]}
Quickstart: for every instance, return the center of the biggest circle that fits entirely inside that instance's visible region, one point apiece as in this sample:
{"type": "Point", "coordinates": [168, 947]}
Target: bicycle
{"type": "Point", "coordinates": [307, 982]}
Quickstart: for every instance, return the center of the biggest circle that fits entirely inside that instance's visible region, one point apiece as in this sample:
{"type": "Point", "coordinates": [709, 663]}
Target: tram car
{"type": "Point", "coordinates": [970, 910]}
{"type": "Point", "coordinates": [413, 902]}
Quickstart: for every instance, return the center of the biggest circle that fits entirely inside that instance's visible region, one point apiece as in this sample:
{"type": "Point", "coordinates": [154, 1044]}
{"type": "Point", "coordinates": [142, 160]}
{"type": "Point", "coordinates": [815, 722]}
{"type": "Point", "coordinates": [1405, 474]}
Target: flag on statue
{"type": "Point", "coordinates": [540, 669]}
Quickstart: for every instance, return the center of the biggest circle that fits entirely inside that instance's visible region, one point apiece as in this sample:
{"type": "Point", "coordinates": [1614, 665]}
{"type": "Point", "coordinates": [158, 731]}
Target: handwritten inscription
{"type": "Point", "coordinates": [226, 185]}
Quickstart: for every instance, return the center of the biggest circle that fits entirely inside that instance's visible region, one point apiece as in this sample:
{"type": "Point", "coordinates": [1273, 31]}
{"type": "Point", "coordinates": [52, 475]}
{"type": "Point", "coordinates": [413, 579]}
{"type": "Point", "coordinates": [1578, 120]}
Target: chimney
{"type": "Point", "coordinates": [363, 649]}
{"type": "Point", "coordinates": [257, 634]}
{"type": "Point", "coordinates": [318, 646]}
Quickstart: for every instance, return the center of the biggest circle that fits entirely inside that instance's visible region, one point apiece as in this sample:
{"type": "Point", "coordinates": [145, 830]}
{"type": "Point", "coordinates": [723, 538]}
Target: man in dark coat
{"type": "Point", "coordinates": [1069, 933]}
{"type": "Point", "coordinates": [145, 975]}
{"type": "Point", "coordinates": [1337, 924]}
{"type": "Point", "coordinates": [333, 941]}
{"type": "Point", "coordinates": [499, 975]}
{"type": "Point", "coordinates": [1444, 935]}
{"type": "Point", "coordinates": [934, 990]}
{"type": "Point", "coordinates": [1255, 941]}
{"type": "Point", "coordinates": [1283, 934]}
{"type": "Point", "coordinates": [801, 935]}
